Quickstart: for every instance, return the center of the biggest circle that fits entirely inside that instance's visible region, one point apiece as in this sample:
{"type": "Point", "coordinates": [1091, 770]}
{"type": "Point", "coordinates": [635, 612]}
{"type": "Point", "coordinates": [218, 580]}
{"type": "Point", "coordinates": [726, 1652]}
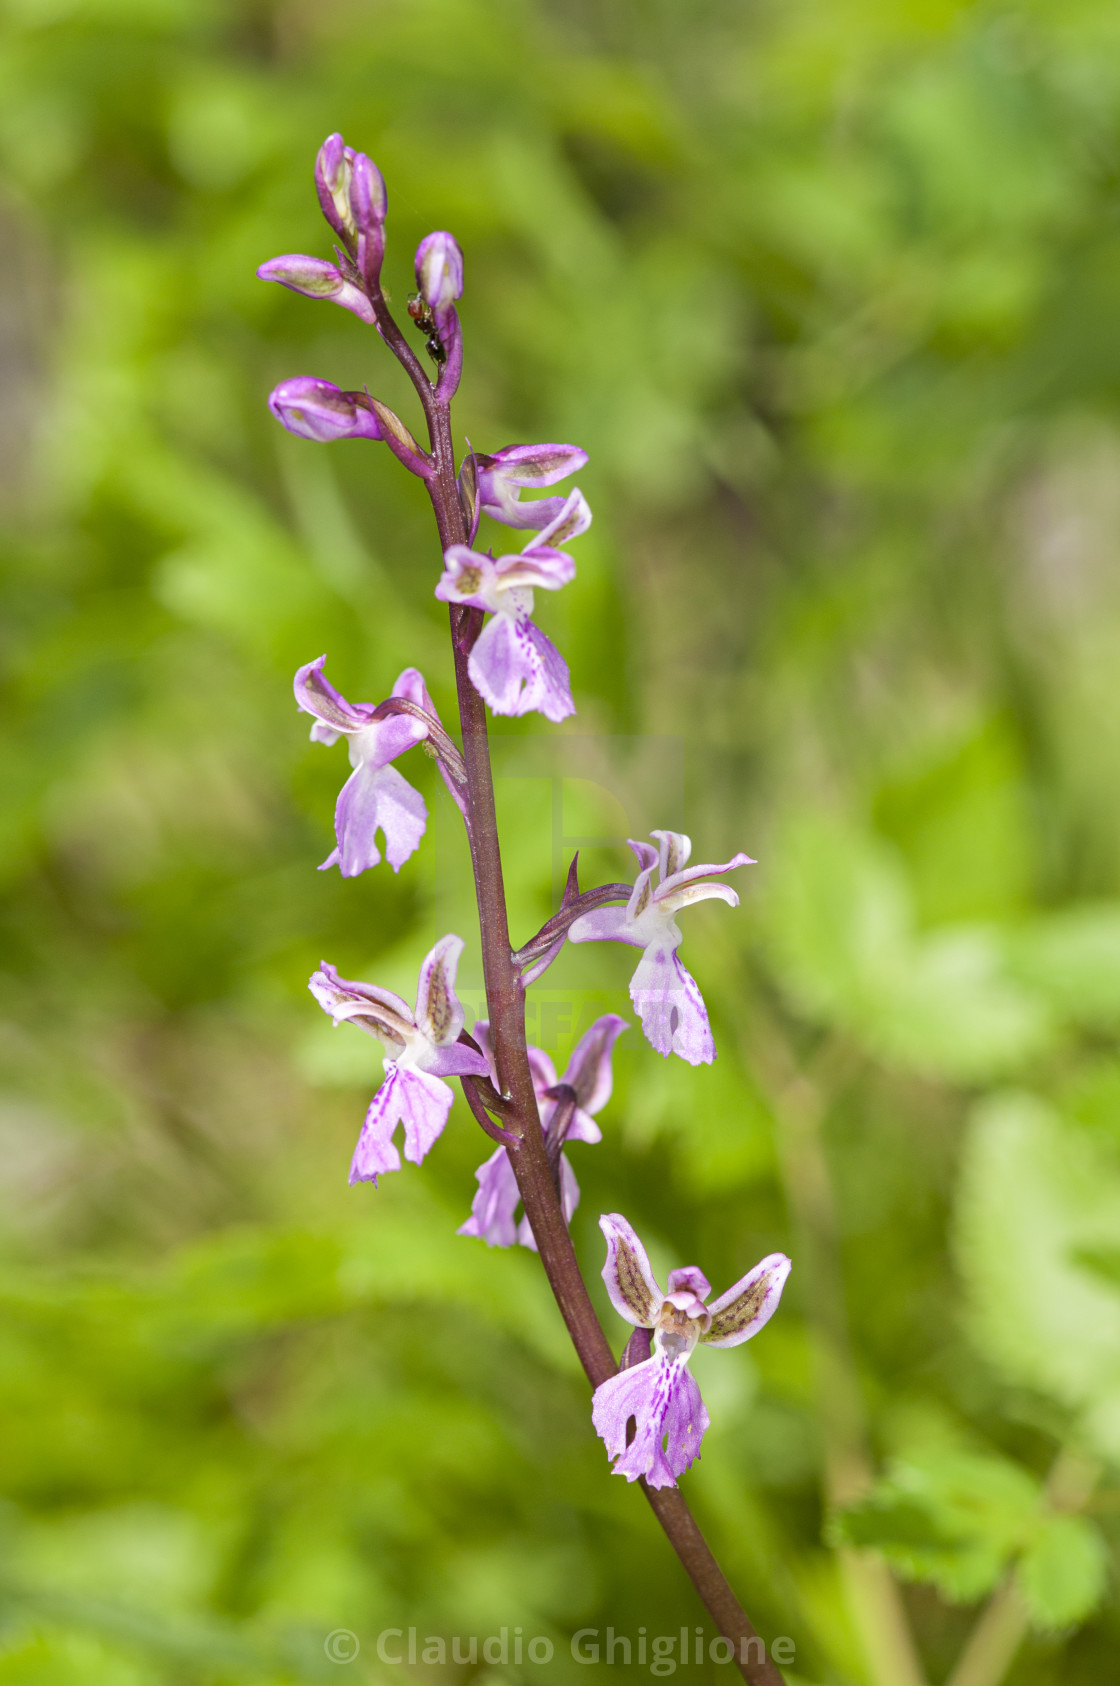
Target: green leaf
{"type": "Point", "coordinates": [1036, 1198]}
{"type": "Point", "coordinates": [1073, 959]}
{"type": "Point", "coordinates": [952, 1518]}
{"type": "Point", "coordinates": [1063, 1573]}
{"type": "Point", "coordinates": [844, 936]}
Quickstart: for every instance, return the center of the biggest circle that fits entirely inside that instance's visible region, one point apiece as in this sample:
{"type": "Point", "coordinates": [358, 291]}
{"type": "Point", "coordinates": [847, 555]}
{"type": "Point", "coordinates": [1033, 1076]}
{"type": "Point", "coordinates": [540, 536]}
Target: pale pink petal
{"type": "Point", "coordinates": [671, 1008]}
{"type": "Point", "coordinates": [494, 1205]}
{"type": "Point", "coordinates": [646, 853]}
{"type": "Point", "coordinates": [373, 799]}
{"type": "Point", "coordinates": [424, 1107]}
{"type": "Point", "coordinates": [589, 1069]}
{"type": "Point", "coordinates": [533, 465]}
{"type": "Point", "coordinates": [547, 689]}
{"type": "Point", "coordinates": [689, 1280]}
{"type": "Point", "coordinates": [546, 569]}
{"type": "Point", "coordinates": [468, 577]}
{"type": "Point", "coordinates": [604, 924]}
{"type": "Point", "coordinates": [711, 870]}
{"type": "Point", "coordinates": [455, 1060]}
{"type": "Point", "coordinates": [515, 668]}
{"type": "Point", "coordinates": [707, 892]}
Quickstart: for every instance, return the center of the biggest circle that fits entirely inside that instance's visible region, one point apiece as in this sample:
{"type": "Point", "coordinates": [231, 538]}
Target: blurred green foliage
{"type": "Point", "coordinates": [829, 291]}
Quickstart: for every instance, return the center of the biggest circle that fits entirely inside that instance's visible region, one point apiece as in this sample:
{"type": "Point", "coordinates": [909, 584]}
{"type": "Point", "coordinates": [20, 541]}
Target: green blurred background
{"type": "Point", "coordinates": [830, 290]}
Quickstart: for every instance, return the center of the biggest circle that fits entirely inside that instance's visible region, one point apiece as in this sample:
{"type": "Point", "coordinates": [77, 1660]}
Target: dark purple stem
{"type": "Point", "coordinates": [505, 1002]}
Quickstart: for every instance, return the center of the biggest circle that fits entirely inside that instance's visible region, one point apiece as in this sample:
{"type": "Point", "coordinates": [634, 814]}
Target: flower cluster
{"type": "Point", "coordinates": [650, 1414]}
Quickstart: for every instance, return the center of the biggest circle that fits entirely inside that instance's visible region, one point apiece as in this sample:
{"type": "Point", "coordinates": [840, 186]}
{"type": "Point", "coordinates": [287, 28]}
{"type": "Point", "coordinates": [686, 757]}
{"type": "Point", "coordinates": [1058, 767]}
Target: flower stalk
{"type": "Point", "coordinates": [521, 670]}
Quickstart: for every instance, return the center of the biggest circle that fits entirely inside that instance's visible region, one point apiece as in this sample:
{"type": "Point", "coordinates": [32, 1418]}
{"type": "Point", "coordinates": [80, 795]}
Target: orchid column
{"type": "Point", "coordinates": [650, 1415]}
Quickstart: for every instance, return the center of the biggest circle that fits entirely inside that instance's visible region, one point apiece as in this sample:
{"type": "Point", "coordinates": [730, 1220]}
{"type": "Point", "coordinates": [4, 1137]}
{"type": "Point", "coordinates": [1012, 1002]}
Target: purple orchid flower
{"type": "Point", "coordinates": [589, 1079]}
{"type": "Point", "coordinates": [375, 796]}
{"type": "Point", "coordinates": [502, 476]}
{"type": "Point", "coordinates": [317, 410]}
{"type": "Point", "coordinates": [660, 1393]}
{"type": "Point", "coordinates": [513, 665]}
{"type": "Point", "coordinates": [424, 1049]}
{"type": "Point", "coordinates": [664, 992]}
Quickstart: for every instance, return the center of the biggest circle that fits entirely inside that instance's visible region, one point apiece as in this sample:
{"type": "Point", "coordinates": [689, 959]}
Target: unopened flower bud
{"type": "Point", "coordinates": [334, 168]}
{"type": "Point", "coordinates": [317, 279]}
{"type": "Point", "coordinates": [369, 202]}
{"type": "Point", "coordinates": [317, 410]}
{"type": "Point", "coordinates": [439, 270]}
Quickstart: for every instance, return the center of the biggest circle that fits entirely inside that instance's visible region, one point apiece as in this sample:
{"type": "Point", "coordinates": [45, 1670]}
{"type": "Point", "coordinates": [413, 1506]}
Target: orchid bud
{"type": "Point", "coordinates": [439, 270]}
{"type": "Point", "coordinates": [352, 194]}
{"type": "Point", "coordinates": [369, 202]}
{"type": "Point", "coordinates": [315, 409]}
{"type": "Point", "coordinates": [334, 168]}
{"type": "Point", "coordinates": [317, 279]}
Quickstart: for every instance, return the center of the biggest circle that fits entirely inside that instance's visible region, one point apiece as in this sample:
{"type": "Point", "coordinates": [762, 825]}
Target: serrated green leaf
{"type": "Point", "coordinates": [951, 1518]}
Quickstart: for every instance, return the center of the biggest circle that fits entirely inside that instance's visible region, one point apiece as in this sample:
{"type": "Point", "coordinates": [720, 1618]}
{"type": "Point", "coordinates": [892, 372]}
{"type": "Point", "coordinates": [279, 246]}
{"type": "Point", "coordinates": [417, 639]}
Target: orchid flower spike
{"type": "Point", "coordinates": [513, 665]}
{"type": "Point", "coordinates": [375, 796]}
{"type": "Point", "coordinates": [502, 475]}
{"type": "Point", "coordinates": [664, 992]}
{"type": "Point", "coordinates": [660, 1392]}
{"type": "Point", "coordinates": [422, 1049]}
{"type": "Point", "coordinates": [589, 1080]}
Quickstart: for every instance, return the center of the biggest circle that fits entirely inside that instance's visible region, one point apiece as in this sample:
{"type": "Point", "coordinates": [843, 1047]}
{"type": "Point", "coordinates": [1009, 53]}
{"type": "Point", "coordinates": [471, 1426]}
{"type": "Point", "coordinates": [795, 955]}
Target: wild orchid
{"type": "Point", "coordinates": [657, 1391]}
{"type": "Point", "coordinates": [567, 1111]}
{"type": "Point", "coordinates": [425, 1050]}
{"type": "Point", "coordinates": [513, 665]}
{"type": "Point", "coordinates": [503, 660]}
{"type": "Point", "coordinates": [663, 990]}
{"type": "Point", "coordinates": [376, 797]}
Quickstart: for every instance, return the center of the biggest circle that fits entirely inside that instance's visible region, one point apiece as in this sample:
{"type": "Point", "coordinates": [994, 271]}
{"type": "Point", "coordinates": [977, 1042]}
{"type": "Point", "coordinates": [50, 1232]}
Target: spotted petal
{"type": "Point", "coordinates": [439, 1012]}
{"type": "Point", "coordinates": [407, 1096]}
{"type": "Point", "coordinates": [377, 1011]}
{"type": "Point", "coordinates": [742, 1311]}
{"type": "Point", "coordinates": [630, 1281]}
{"type": "Point", "coordinates": [670, 1420]}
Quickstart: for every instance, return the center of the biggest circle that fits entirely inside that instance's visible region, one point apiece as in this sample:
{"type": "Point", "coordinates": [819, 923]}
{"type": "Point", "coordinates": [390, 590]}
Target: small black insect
{"type": "Point", "coordinates": [421, 314]}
